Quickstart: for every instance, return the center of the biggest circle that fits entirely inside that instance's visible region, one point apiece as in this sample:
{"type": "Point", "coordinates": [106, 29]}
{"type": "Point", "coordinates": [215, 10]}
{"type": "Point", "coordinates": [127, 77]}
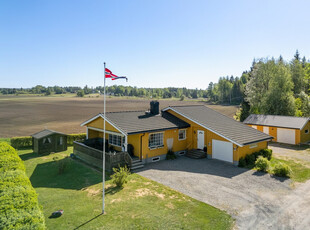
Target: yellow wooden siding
{"type": "Point", "coordinates": [305, 137]}
{"type": "Point", "coordinates": [209, 136]}
{"type": "Point", "coordinates": [241, 152]}
{"type": "Point", "coordinates": [98, 123]}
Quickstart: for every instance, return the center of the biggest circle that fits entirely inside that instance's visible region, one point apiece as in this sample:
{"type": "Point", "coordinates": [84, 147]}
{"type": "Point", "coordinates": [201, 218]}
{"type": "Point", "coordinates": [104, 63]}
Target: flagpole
{"type": "Point", "coordinates": [103, 154]}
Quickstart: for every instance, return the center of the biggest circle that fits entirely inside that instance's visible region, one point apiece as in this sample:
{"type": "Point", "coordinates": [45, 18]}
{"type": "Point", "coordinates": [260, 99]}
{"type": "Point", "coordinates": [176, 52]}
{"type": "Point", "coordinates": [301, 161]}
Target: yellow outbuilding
{"type": "Point", "coordinates": [283, 129]}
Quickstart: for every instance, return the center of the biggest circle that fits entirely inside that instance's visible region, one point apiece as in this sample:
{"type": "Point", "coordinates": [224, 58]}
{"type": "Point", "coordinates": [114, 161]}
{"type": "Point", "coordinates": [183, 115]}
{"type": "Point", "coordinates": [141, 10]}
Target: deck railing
{"type": "Point", "coordinates": [94, 156]}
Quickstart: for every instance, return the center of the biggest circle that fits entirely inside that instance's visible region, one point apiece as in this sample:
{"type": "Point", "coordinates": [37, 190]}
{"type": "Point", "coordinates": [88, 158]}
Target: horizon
{"type": "Point", "coordinates": [155, 44]}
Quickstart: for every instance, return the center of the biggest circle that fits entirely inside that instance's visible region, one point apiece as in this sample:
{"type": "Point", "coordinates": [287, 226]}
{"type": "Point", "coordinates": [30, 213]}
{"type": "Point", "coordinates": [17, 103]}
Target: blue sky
{"type": "Point", "coordinates": [154, 43]}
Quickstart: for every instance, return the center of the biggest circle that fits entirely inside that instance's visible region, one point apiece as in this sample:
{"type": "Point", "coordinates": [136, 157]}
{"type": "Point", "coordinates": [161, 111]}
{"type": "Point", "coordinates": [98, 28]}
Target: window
{"type": "Point", "coordinates": [60, 141]}
{"type": "Point", "coordinates": [306, 131]}
{"type": "Point", "coordinates": [252, 146]}
{"type": "Point", "coordinates": [156, 140]}
{"type": "Point", "coordinates": [47, 140]}
{"type": "Point", "coordinates": [115, 140]}
{"type": "Point", "coordinates": [182, 134]}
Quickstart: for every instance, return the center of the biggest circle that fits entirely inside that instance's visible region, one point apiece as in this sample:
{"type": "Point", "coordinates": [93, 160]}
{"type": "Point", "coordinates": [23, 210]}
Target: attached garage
{"type": "Point", "coordinates": [222, 150]}
{"type": "Point", "coordinates": [286, 136]}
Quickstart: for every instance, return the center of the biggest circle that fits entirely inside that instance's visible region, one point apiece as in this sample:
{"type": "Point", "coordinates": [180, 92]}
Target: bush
{"type": "Point", "coordinates": [281, 169]}
{"type": "Point", "coordinates": [250, 159]}
{"type": "Point", "coordinates": [242, 162]}
{"type": "Point", "coordinates": [75, 137]}
{"type": "Point", "coordinates": [62, 164]}
{"type": "Point", "coordinates": [267, 153]}
{"type": "Point", "coordinates": [19, 208]}
{"type": "Point", "coordinates": [21, 142]}
{"type": "Point", "coordinates": [170, 155]}
{"type": "Point", "coordinates": [120, 176]}
{"type": "Point", "coordinates": [80, 93]}
{"type": "Point", "coordinates": [262, 164]}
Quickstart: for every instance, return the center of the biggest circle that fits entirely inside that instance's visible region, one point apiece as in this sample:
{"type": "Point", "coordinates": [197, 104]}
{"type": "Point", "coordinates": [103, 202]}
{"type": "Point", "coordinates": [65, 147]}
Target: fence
{"type": "Point", "coordinates": [94, 156]}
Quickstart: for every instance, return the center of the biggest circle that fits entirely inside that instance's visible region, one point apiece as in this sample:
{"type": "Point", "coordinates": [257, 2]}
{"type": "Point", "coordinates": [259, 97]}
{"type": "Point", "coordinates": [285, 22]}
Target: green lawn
{"type": "Point", "coordinates": [300, 169]}
{"type": "Point", "coordinates": [142, 204]}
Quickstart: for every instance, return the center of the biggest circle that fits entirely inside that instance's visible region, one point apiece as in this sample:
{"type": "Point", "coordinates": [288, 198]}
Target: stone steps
{"type": "Point", "coordinates": [196, 154]}
{"type": "Point", "coordinates": [136, 164]}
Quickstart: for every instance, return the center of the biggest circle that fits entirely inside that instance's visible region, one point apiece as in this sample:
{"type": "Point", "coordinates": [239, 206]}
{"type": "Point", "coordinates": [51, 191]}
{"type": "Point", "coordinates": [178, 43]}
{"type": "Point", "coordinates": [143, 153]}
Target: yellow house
{"type": "Point", "coordinates": [180, 128]}
{"type": "Point", "coordinates": [283, 129]}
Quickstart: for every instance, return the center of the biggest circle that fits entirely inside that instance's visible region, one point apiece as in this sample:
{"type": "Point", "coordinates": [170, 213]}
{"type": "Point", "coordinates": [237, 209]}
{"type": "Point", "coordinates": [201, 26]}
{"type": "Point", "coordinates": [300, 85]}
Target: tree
{"type": "Point", "coordinates": [80, 93]}
{"type": "Point", "coordinates": [298, 76]}
{"type": "Point", "coordinates": [258, 84]}
{"type": "Point", "coordinates": [279, 99]}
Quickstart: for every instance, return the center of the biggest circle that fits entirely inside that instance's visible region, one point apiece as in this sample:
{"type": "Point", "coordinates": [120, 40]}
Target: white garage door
{"type": "Point", "coordinates": [222, 150]}
{"type": "Point", "coordinates": [286, 136]}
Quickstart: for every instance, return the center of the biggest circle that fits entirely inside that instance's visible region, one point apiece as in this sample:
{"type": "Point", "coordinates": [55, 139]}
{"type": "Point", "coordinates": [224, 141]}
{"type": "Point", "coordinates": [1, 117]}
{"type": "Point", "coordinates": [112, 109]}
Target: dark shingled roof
{"type": "Point", "coordinates": [132, 122]}
{"type": "Point", "coordinates": [45, 133]}
{"type": "Point", "coordinates": [218, 123]}
{"type": "Point", "coordinates": [277, 121]}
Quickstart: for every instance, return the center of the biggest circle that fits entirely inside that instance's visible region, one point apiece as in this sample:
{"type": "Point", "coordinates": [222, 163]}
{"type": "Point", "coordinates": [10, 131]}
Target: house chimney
{"type": "Point", "coordinates": [154, 107]}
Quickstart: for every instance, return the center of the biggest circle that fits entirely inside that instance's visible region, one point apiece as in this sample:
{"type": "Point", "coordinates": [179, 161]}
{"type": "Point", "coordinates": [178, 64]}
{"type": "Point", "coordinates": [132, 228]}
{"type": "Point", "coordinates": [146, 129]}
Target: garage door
{"type": "Point", "coordinates": [286, 136]}
{"type": "Point", "coordinates": [222, 150]}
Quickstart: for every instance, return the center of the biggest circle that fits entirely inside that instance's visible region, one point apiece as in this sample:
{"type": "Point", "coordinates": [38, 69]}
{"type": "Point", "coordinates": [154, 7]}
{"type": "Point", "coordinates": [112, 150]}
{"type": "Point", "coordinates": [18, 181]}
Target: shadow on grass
{"type": "Point", "coordinates": [281, 179]}
{"type": "Point", "coordinates": [88, 221]}
{"type": "Point", "coordinates": [113, 190]}
{"type": "Point", "coordinates": [76, 176]}
{"type": "Point", "coordinates": [28, 156]}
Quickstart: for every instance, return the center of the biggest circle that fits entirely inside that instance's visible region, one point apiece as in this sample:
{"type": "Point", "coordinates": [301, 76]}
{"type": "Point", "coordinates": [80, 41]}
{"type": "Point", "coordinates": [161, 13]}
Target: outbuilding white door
{"type": "Point", "coordinates": [200, 139]}
{"type": "Point", "coordinates": [266, 130]}
{"type": "Point", "coordinates": [286, 136]}
{"type": "Point", "coordinates": [222, 150]}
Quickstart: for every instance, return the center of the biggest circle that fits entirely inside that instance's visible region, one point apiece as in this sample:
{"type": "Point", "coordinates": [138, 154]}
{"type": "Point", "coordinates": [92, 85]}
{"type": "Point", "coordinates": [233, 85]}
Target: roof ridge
{"type": "Point", "coordinates": [184, 105]}
{"type": "Point", "coordinates": [127, 111]}
{"type": "Point", "coordinates": [277, 115]}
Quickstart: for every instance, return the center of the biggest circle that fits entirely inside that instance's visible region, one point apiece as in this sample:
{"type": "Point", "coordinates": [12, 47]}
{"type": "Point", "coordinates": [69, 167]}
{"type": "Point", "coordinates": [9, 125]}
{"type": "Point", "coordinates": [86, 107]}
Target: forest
{"type": "Point", "coordinates": [271, 86]}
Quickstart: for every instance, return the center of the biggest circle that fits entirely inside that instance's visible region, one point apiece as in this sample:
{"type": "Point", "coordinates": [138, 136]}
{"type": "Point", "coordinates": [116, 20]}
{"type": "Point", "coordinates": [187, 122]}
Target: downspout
{"type": "Point", "coordinates": [141, 146]}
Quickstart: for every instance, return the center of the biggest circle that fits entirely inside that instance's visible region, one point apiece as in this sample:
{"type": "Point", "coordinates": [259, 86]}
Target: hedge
{"type": "Point", "coordinates": [21, 142]}
{"type": "Point", "coordinates": [75, 137]}
{"type": "Point", "coordinates": [19, 208]}
{"type": "Point", "coordinates": [24, 142]}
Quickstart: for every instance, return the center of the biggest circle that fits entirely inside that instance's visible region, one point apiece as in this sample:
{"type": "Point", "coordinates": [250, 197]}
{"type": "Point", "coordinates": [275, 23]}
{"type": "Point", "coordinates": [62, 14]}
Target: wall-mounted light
{"type": "Point", "coordinates": [209, 143]}
{"type": "Point", "coordinates": [235, 148]}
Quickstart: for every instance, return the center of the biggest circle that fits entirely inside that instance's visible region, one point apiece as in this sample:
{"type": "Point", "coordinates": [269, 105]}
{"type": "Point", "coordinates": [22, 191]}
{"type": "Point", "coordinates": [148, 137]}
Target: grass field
{"type": "Point", "coordinates": [300, 169]}
{"type": "Point", "coordinates": [142, 204]}
{"type": "Point", "coordinates": [25, 115]}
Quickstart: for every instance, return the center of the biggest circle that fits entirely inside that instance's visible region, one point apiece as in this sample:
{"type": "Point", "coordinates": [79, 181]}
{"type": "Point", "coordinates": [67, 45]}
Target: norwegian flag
{"type": "Point", "coordinates": [109, 74]}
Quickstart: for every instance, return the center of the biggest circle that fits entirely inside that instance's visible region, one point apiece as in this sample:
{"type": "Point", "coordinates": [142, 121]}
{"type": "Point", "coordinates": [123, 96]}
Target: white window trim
{"type": "Point", "coordinates": [114, 144]}
{"type": "Point", "coordinates": [159, 146]}
{"type": "Point", "coordinates": [252, 146]}
{"type": "Point", "coordinates": [184, 134]}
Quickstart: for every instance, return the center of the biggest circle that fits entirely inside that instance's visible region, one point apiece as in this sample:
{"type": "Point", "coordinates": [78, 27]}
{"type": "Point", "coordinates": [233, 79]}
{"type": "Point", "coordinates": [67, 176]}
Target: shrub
{"type": "Point", "coordinates": [262, 164]}
{"type": "Point", "coordinates": [21, 142]}
{"type": "Point", "coordinates": [62, 164]}
{"type": "Point", "coordinates": [19, 208]}
{"type": "Point", "coordinates": [75, 137]}
{"type": "Point", "coordinates": [80, 93]}
{"type": "Point", "coordinates": [170, 155]}
{"type": "Point", "coordinates": [250, 159]}
{"type": "Point", "coordinates": [267, 153]}
{"type": "Point", "coordinates": [120, 176]}
{"type": "Point", "coordinates": [242, 162]}
{"type": "Point", "coordinates": [281, 169]}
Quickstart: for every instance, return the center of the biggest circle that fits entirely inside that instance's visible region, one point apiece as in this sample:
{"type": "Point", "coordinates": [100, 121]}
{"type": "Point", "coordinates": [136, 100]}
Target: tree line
{"type": "Point", "coordinates": [115, 90]}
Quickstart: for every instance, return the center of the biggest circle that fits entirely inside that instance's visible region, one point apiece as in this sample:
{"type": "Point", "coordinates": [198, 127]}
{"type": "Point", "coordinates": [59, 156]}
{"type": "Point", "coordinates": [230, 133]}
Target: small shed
{"type": "Point", "coordinates": [47, 141]}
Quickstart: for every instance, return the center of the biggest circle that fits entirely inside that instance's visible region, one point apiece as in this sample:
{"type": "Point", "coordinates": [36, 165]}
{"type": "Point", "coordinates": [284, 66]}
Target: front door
{"type": "Point", "coordinates": [200, 139]}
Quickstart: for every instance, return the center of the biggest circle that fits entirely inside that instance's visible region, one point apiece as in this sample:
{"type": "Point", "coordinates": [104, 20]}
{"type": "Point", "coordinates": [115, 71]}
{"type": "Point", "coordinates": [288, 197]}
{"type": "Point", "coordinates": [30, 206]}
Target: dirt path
{"type": "Point", "coordinates": [297, 152]}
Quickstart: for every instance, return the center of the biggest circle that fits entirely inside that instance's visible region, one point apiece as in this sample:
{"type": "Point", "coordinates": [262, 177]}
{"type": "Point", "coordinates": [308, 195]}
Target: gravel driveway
{"type": "Point", "coordinates": [256, 200]}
